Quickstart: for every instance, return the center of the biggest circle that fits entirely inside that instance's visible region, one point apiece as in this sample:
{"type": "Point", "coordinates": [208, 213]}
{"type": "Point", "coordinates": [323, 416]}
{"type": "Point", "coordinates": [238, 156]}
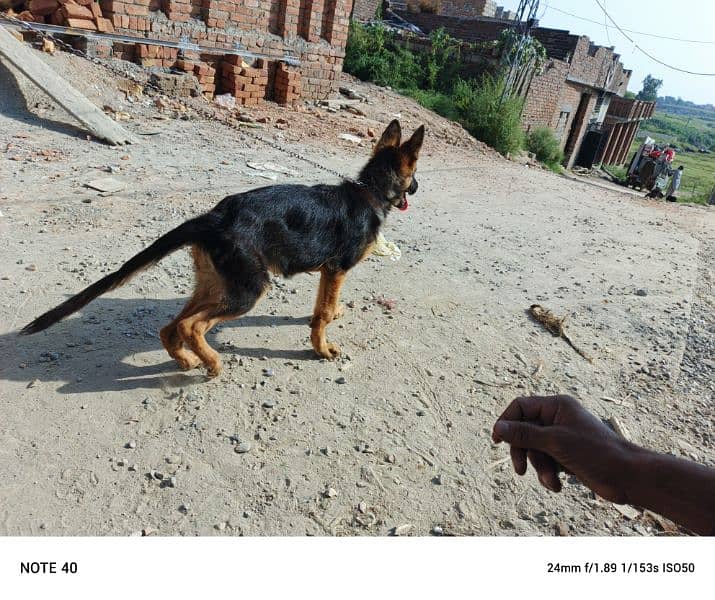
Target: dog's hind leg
{"type": "Point", "coordinates": [326, 308]}
{"type": "Point", "coordinates": [219, 296]}
{"type": "Point", "coordinates": [174, 345]}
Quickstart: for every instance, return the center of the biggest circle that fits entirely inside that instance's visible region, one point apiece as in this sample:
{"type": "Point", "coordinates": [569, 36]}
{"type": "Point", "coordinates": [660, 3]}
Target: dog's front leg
{"type": "Point", "coordinates": [326, 309]}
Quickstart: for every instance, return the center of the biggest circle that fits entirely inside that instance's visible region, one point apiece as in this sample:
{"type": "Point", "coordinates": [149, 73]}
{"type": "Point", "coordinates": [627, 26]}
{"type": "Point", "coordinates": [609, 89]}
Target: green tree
{"type": "Point", "coordinates": [651, 85]}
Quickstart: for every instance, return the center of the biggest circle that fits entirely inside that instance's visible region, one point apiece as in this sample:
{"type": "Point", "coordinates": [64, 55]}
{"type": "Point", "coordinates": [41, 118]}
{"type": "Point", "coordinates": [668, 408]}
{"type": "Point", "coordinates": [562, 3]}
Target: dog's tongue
{"type": "Point", "coordinates": [403, 206]}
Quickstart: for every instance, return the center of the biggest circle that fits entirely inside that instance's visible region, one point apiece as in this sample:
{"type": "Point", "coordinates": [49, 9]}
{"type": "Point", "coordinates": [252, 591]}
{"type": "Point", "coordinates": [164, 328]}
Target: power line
{"type": "Point", "coordinates": [653, 35]}
{"type": "Point", "coordinates": [637, 47]}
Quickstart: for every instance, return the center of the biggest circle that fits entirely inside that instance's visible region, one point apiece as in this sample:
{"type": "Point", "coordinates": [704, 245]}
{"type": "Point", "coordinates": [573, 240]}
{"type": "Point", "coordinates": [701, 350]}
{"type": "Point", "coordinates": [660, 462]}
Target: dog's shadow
{"type": "Point", "coordinates": [96, 350]}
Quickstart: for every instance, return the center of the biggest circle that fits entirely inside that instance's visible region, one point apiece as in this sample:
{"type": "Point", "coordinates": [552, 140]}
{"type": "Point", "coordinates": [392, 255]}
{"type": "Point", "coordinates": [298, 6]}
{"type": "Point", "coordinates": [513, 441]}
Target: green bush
{"type": "Point", "coordinates": [371, 56]}
{"type": "Point", "coordinates": [543, 143]}
{"type": "Point", "coordinates": [487, 116]}
{"type": "Point", "coordinates": [432, 78]}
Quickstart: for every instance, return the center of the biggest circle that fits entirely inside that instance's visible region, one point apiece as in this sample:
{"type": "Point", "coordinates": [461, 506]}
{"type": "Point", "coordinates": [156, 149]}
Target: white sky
{"type": "Point", "coordinates": [688, 19]}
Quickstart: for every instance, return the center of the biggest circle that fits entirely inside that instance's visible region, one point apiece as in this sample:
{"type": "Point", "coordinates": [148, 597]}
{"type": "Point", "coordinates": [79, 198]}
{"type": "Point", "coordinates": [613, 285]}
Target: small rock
{"type": "Point", "coordinates": [133, 467]}
{"type": "Point", "coordinates": [331, 493]}
{"type": "Point", "coordinates": [131, 445]}
{"type": "Point", "coordinates": [401, 529]}
{"type": "Point", "coordinates": [157, 475]}
{"type": "Point", "coordinates": [171, 482]}
{"type": "Point", "coordinates": [362, 507]}
{"type": "Point", "coordinates": [268, 372]}
{"type": "Point", "coordinates": [437, 530]}
{"type": "Point", "coordinates": [269, 404]}
{"type": "Point", "coordinates": [341, 380]}
{"type": "Point", "coordinates": [242, 448]}
{"type": "Point", "coordinates": [31, 268]}
{"type": "Point", "coordinates": [220, 526]}
{"type": "Point", "coordinates": [184, 508]}
{"type": "Point", "coordinates": [641, 292]}
{"type": "Point", "coordinates": [562, 529]}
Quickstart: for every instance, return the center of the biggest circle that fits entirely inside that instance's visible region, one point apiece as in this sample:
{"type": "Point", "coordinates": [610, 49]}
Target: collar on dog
{"type": "Point", "coordinates": [378, 194]}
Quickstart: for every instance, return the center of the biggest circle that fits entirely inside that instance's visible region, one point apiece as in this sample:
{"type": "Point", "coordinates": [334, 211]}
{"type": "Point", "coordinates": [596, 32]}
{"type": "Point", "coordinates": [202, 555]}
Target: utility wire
{"type": "Point", "coordinates": [653, 35]}
{"type": "Point", "coordinates": [637, 47]}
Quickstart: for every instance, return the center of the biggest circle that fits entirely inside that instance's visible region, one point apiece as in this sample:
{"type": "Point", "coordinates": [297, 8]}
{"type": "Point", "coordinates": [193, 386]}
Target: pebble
{"type": "Point", "coordinates": [171, 482]}
{"type": "Point", "coordinates": [437, 530]}
{"type": "Point", "coordinates": [220, 526]}
{"type": "Point", "coordinates": [401, 529]}
{"type": "Point", "coordinates": [331, 493]}
{"type": "Point", "coordinates": [268, 372]}
{"type": "Point", "coordinates": [133, 467]}
{"type": "Point", "coordinates": [562, 529]}
{"type": "Point", "coordinates": [131, 445]}
{"type": "Point", "coordinates": [362, 507]}
{"type": "Point", "coordinates": [641, 292]}
{"type": "Point", "coordinates": [157, 475]}
{"type": "Point", "coordinates": [242, 448]}
{"type": "Point", "coordinates": [184, 508]}
{"type": "Point", "coordinates": [269, 404]}
{"type": "Point", "coordinates": [341, 380]}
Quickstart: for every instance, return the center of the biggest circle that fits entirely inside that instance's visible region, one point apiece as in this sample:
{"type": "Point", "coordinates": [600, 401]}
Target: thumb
{"type": "Point", "coordinates": [522, 435]}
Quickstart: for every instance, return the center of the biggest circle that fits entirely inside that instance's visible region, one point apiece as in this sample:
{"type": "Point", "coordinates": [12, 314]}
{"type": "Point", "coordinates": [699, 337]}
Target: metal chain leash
{"type": "Point", "coordinates": [193, 105]}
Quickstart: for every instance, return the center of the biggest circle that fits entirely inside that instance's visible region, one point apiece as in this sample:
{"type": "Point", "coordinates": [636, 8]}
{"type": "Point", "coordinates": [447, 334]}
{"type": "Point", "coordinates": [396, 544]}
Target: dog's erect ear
{"type": "Point", "coordinates": [390, 137]}
{"type": "Point", "coordinates": [411, 148]}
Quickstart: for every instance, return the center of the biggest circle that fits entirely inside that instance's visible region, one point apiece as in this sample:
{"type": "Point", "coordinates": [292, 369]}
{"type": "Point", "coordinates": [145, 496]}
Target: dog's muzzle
{"type": "Point", "coordinates": [410, 190]}
{"type": "Point", "coordinates": [413, 187]}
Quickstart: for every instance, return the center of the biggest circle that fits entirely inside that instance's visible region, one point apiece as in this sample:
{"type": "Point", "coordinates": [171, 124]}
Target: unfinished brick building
{"type": "Point", "coordinates": [571, 95]}
{"type": "Point", "coordinates": [301, 43]}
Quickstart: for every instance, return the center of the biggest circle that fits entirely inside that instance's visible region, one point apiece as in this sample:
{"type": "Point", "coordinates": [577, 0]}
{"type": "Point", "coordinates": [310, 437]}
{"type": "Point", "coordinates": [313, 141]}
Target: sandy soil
{"type": "Point", "coordinates": [395, 433]}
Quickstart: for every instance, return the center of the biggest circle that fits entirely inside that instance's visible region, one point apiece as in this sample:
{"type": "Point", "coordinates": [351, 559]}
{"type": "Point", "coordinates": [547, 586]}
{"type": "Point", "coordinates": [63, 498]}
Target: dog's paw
{"type": "Point", "coordinates": [189, 362]}
{"type": "Point", "coordinates": [213, 370]}
{"type": "Point", "coordinates": [330, 351]}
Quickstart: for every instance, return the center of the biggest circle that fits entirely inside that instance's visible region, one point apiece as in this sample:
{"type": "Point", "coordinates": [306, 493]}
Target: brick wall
{"type": "Point", "coordinates": [364, 10]}
{"type": "Point", "coordinates": [313, 30]}
{"type": "Point", "coordinates": [467, 8]}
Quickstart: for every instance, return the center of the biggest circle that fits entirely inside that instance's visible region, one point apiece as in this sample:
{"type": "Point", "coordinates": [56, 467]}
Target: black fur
{"type": "Point", "coordinates": [286, 229]}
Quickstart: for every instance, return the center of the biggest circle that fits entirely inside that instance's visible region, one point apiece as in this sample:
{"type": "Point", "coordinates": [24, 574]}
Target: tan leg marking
{"type": "Point", "coordinates": [326, 306]}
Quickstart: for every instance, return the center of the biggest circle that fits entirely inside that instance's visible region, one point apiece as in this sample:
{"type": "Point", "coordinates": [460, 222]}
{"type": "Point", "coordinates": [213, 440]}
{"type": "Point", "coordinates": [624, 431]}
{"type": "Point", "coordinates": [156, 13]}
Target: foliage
{"type": "Point", "coordinates": [487, 116]}
{"type": "Point", "coordinates": [532, 50]}
{"type": "Point", "coordinates": [629, 95]}
{"type": "Point", "coordinates": [651, 85]}
{"type": "Point", "coordinates": [432, 78]}
{"type": "Point", "coordinates": [543, 143]}
{"type": "Point", "coordinates": [372, 55]}
{"type": "Point", "coordinates": [685, 132]}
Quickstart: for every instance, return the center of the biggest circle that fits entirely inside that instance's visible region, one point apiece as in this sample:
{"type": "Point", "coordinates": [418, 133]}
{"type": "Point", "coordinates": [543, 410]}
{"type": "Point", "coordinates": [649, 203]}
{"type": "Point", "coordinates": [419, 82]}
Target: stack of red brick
{"type": "Point", "coordinates": [288, 86]}
{"type": "Point", "coordinates": [246, 83]}
{"type": "Point", "coordinates": [156, 56]}
{"type": "Point", "coordinates": [81, 14]}
{"type": "Point", "coordinates": [205, 73]}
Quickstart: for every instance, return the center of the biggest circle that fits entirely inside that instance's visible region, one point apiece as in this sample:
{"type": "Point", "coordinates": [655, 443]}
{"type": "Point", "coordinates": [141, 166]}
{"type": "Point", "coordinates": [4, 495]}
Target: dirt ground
{"type": "Point", "coordinates": [395, 434]}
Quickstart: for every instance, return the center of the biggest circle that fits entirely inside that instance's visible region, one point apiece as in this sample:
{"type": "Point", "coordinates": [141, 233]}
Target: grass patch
{"type": "Point", "coordinates": [543, 143]}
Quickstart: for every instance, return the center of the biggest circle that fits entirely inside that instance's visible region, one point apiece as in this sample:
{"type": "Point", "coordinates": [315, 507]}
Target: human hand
{"type": "Point", "coordinates": [557, 434]}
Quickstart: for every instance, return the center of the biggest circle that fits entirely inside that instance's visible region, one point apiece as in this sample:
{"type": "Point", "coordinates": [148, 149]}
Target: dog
{"type": "Point", "coordinates": [280, 229]}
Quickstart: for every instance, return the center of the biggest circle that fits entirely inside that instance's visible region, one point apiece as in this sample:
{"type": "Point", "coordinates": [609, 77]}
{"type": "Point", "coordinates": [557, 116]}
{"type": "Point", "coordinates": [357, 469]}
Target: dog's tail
{"type": "Point", "coordinates": [186, 233]}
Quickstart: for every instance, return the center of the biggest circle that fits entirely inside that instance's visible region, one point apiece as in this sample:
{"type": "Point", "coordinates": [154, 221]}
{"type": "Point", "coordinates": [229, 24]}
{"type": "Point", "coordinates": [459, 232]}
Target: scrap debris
{"type": "Point", "coordinates": [555, 325]}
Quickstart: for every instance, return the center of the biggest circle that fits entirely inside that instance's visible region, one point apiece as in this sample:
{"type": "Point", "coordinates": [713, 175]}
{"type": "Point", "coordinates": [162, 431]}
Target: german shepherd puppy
{"type": "Point", "coordinates": [284, 229]}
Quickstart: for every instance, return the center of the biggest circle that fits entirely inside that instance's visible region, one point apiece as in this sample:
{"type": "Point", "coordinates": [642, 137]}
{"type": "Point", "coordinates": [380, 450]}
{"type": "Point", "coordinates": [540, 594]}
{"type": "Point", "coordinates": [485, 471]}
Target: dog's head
{"type": "Point", "coordinates": [393, 164]}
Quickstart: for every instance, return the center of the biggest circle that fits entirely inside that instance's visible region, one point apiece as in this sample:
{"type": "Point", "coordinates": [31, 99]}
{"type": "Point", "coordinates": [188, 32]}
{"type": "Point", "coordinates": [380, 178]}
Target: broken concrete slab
{"type": "Point", "coordinates": [30, 65]}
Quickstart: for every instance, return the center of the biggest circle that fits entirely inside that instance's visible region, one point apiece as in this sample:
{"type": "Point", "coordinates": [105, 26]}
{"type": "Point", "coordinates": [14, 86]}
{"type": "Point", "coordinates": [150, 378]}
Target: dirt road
{"type": "Point", "coordinates": [101, 435]}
